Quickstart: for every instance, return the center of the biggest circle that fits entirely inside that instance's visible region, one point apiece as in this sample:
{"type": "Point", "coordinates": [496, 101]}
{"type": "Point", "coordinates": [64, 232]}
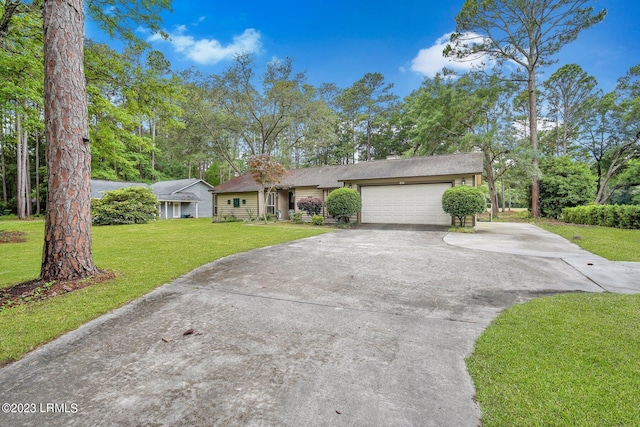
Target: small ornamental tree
{"type": "Point", "coordinates": [342, 203]}
{"type": "Point", "coordinates": [266, 172]}
{"type": "Point", "coordinates": [133, 205]}
{"type": "Point", "coordinates": [311, 205]}
{"type": "Point", "coordinates": [463, 201]}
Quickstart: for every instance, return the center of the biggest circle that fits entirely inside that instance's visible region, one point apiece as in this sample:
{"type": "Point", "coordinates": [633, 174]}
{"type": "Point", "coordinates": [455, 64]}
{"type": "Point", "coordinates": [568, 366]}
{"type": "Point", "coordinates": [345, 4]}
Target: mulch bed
{"type": "Point", "coordinates": [12, 237]}
{"type": "Point", "coordinates": [37, 290]}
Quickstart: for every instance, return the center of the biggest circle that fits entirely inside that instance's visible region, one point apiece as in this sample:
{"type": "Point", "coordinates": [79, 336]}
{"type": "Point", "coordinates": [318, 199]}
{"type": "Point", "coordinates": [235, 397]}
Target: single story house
{"type": "Point", "coordinates": [181, 198]}
{"type": "Point", "coordinates": [394, 191]}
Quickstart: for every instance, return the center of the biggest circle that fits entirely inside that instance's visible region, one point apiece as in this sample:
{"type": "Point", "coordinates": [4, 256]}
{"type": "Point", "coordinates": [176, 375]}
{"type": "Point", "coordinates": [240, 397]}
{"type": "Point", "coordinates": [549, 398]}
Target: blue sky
{"type": "Point", "coordinates": [339, 41]}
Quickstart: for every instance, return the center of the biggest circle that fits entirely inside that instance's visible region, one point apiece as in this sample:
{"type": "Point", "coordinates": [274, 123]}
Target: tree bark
{"type": "Point", "coordinates": [533, 137]}
{"type": "Point", "coordinates": [21, 202]}
{"type": "Point", "coordinates": [491, 182]}
{"type": "Point", "coordinates": [37, 159]}
{"type": "Point", "coordinates": [67, 241]}
{"type": "Point", "coordinates": [3, 170]}
{"type": "Point", "coordinates": [26, 174]}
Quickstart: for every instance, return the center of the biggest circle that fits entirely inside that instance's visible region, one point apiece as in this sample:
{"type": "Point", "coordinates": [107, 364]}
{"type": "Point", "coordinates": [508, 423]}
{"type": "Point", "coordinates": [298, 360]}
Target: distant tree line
{"type": "Point", "coordinates": [148, 122]}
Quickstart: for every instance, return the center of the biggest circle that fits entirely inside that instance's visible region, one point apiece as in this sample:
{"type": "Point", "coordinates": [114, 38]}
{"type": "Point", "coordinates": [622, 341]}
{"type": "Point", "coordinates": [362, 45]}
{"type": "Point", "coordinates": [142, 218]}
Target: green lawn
{"type": "Point", "coordinates": [614, 244]}
{"type": "Point", "coordinates": [143, 258]}
{"type": "Point", "coordinates": [567, 360]}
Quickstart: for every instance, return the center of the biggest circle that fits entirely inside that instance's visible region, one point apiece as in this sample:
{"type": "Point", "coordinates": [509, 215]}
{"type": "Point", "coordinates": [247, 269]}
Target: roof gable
{"type": "Point", "coordinates": [176, 185]}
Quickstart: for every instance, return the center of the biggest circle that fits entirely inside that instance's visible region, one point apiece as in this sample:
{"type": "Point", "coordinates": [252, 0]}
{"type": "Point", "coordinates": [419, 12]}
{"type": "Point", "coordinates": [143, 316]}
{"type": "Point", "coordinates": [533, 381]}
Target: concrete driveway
{"type": "Point", "coordinates": [364, 327]}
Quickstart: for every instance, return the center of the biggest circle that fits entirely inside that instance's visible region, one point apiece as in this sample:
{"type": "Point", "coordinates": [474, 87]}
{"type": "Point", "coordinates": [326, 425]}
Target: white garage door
{"type": "Point", "coordinates": [404, 204]}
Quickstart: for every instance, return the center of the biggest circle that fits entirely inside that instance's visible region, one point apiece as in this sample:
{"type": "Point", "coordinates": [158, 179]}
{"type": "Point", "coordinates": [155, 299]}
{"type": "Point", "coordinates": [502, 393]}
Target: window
{"type": "Point", "coordinates": [271, 203]}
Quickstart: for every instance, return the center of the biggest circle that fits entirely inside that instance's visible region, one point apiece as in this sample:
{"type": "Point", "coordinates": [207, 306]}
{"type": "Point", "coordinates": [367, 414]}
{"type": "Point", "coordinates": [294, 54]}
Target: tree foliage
{"type": "Point", "coordinates": [267, 173]}
{"type": "Point", "coordinates": [525, 32]}
{"type": "Point", "coordinates": [564, 183]}
{"type": "Point", "coordinates": [569, 91]}
{"type": "Point", "coordinates": [463, 201]}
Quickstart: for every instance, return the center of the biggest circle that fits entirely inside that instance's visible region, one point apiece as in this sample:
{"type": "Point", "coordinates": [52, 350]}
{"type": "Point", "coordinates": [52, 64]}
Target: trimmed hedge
{"type": "Point", "coordinates": [618, 216]}
{"type": "Point", "coordinates": [342, 203]}
{"type": "Point", "coordinates": [463, 201]}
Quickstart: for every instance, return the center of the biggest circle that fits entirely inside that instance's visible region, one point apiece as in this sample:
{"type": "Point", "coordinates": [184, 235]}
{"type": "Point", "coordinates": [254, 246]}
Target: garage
{"type": "Point", "coordinates": [404, 204]}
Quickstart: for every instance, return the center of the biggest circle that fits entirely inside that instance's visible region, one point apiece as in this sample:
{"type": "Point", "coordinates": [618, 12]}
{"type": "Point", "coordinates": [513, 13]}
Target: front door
{"type": "Point", "coordinates": [292, 200]}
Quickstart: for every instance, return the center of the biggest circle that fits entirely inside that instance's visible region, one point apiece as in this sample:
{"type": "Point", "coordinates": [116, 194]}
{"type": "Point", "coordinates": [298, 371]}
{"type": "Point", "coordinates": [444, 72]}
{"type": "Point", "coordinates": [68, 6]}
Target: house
{"type": "Point", "coordinates": [394, 191]}
{"type": "Point", "coordinates": [182, 198]}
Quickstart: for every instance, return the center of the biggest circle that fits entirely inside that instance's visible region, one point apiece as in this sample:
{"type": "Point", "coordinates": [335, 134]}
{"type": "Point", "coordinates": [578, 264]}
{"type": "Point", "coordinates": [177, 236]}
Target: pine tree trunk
{"type": "Point", "coordinates": [3, 170]}
{"type": "Point", "coordinates": [533, 136]}
{"type": "Point", "coordinates": [491, 183]}
{"type": "Point", "coordinates": [21, 203]}
{"type": "Point", "coordinates": [26, 175]}
{"type": "Point", "coordinates": [67, 241]}
{"type": "Point", "coordinates": [37, 159]}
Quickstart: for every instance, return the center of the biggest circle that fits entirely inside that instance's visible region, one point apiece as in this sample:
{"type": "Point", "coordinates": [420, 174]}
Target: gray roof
{"type": "Point", "coordinates": [166, 191]}
{"type": "Point", "coordinates": [99, 186]}
{"type": "Point", "coordinates": [183, 196]}
{"type": "Point", "coordinates": [452, 164]}
{"type": "Point", "coordinates": [176, 185]}
{"type": "Point", "coordinates": [321, 177]}
{"type": "Point", "coordinates": [333, 176]}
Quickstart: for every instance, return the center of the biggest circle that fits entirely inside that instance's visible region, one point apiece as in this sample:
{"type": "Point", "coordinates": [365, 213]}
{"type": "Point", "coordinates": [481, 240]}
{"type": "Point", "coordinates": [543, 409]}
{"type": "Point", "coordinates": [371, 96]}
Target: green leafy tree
{"type": "Point", "coordinates": [262, 113]}
{"type": "Point", "coordinates": [267, 173]}
{"type": "Point", "coordinates": [342, 203]}
{"type": "Point", "coordinates": [463, 201]}
{"type": "Point", "coordinates": [21, 105]}
{"type": "Point", "coordinates": [568, 92]}
{"type": "Point", "coordinates": [612, 133]}
{"type": "Point", "coordinates": [368, 104]}
{"type": "Point", "coordinates": [470, 112]}
{"type": "Point", "coordinates": [565, 183]}
{"type": "Point", "coordinates": [525, 32]}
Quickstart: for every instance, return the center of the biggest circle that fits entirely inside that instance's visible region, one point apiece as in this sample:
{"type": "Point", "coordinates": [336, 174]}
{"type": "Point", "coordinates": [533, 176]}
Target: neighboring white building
{"type": "Point", "coordinates": [181, 198]}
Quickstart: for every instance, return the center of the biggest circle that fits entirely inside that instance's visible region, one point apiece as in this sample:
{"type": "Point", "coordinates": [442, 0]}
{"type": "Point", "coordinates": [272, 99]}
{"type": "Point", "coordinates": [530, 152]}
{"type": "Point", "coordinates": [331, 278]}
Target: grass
{"type": "Point", "coordinates": [567, 360]}
{"type": "Point", "coordinates": [143, 258]}
{"type": "Point", "coordinates": [614, 244]}
{"type": "Point", "coordinates": [457, 229]}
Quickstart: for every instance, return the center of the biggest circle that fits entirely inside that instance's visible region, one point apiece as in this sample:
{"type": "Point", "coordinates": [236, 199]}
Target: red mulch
{"type": "Point", "coordinates": [37, 290]}
{"type": "Point", "coordinates": [12, 236]}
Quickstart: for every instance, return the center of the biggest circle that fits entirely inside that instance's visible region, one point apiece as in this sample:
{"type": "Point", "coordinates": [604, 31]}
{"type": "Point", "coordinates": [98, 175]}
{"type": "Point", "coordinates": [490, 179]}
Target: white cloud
{"type": "Point", "coordinates": [210, 51]}
{"type": "Point", "coordinates": [430, 61]}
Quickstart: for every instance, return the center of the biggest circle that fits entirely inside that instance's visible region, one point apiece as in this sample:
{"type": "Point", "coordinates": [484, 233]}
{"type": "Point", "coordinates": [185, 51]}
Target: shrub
{"type": "Point", "coordinates": [311, 205]}
{"type": "Point", "coordinates": [342, 203]}
{"type": "Point", "coordinates": [618, 216]}
{"type": "Point", "coordinates": [317, 220]}
{"type": "Point", "coordinates": [564, 183]}
{"type": "Point", "coordinates": [463, 201]}
{"type": "Point", "coordinates": [251, 214]}
{"type": "Point", "coordinates": [297, 217]}
{"type": "Point", "coordinates": [133, 205]}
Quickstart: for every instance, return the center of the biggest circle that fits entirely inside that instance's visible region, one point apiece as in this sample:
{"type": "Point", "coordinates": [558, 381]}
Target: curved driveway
{"type": "Point", "coordinates": [352, 328]}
